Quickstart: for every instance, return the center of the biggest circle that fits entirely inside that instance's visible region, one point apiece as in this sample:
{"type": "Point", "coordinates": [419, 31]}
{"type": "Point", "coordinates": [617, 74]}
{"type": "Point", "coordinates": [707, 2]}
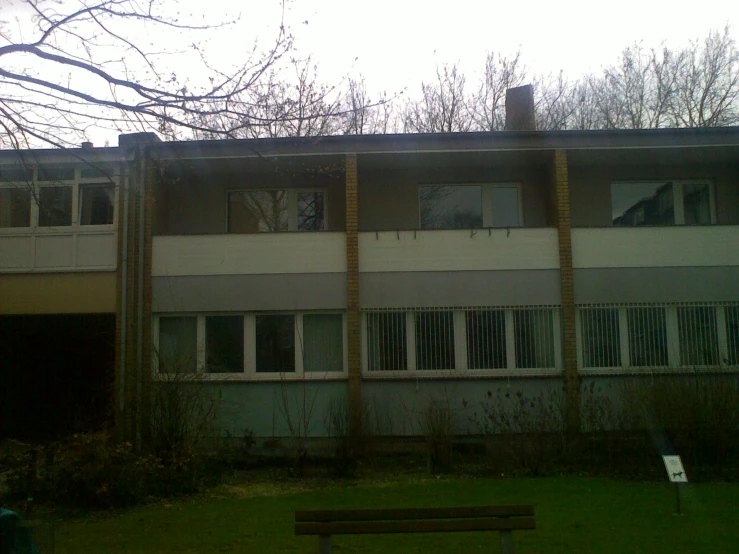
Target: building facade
{"type": "Point", "coordinates": [381, 273]}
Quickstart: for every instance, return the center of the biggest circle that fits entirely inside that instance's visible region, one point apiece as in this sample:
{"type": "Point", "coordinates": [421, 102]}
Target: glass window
{"type": "Point", "coordinates": [386, 341]}
{"type": "Point", "coordinates": [15, 207]}
{"type": "Point", "coordinates": [647, 337]}
{"type": "Point", "coordinates": [258, 211]}
{"type": "Point", "coordinates": [697, 204]}
{"type": "Point", "coordinates": [323, 342]}
{"type": "Point", "coordinates": [637, 204]}
{"type": "Point", "coordinates": [224, 344]}
{"type": "Point", "coordinates": [96, 204]}
{"type": "Point", "coordinates": [486, 340]}
{"type": "Point", "coordinates": [505, 207]}
{"type": "Point", "coordinates": [601, 344]}
{"type": "Point", "coordinates": [534, 338]}
{"type": "Point", "coordinates": [311, 210]}
{"type": "Point", "coordinates": [55, 206]}
{"type": "Point", "coordinates": [434, 340]}
{"type": "Point", "coordinates": [50, 173]}
{"type": "Point", "coordinates": [275, 343]}
{"type": "Point", "coordinates": [16, 174]}
{"type": "Point", "coordinates": [89, 172]}
{"type": "Point", "coordinates": [450, 207]}
{"type": "Point", "coordinates": [698, 336]}
{"type": "Point", "coordinates": [732, 334]}
{"type": "Point", "coordinates": [178, 344]}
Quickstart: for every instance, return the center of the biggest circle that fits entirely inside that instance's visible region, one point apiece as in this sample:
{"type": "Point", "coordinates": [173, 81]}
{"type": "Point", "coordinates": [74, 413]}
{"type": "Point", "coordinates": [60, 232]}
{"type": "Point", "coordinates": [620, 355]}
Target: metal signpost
{"type": "Point", "coordinates": [676, 473]}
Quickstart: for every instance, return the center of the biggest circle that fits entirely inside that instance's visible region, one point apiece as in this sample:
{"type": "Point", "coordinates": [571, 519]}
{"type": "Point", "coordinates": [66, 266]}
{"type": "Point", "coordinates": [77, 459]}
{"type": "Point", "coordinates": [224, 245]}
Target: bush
{"type": "Point", "coordinates": [438, 427]}
{"type": "Point", "coordinates": [336, 422]}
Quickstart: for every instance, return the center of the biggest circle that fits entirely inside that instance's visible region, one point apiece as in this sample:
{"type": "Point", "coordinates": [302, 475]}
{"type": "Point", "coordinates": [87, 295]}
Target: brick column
{"type": "Point", "coordinates": [569, 349]}
{"type": "Point", "coordinates": [352, 296]}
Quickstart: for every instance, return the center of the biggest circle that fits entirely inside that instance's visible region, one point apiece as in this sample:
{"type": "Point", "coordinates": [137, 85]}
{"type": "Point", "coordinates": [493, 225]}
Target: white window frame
{"type": "Point", "coordinates": [75, 227]}
{"type": "Point", "coordinates": [672, 335]}
{"type": "Point", "coordinates": [677, 197]}
{"type": "Point", "coordinates": [460, 346]}
{"type": "Point", "coordinates": [249, 372]}
{"type": "Point", "coordinates": [485, 198]}
{"type": "Point", "coordinates": [292, 207]}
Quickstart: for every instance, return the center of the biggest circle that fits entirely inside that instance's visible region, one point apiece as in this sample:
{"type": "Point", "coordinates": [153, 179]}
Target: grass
{"type": "Point", "coordinates": [573, 514]}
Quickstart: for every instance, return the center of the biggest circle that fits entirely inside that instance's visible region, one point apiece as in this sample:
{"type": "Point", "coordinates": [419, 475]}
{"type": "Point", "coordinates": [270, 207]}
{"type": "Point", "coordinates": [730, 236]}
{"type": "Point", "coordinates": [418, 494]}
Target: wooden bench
{"type": "Point", "coordinates": [504, 519]}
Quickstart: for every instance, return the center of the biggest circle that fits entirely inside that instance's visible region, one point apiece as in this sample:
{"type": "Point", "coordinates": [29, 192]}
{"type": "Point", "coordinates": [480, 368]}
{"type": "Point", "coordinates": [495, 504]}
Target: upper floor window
{"type": "Point", "coordinates": [470, 206]}
{"type": "Point", "coordinates": [662, 203]}
{"type": "Point", "coordinates": [270, 211]}
{"type": "Point", "coordinates": [52, 197]}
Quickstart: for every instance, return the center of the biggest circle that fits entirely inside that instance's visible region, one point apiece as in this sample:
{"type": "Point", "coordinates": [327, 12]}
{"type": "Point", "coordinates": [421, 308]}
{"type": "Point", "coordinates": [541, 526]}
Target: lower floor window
{"type": "Point", "coordinates": [461, 339]}
{"type": "Point", "coordinates": [259, 344]}
{"type": "Point", "coordinates": [657, 336]}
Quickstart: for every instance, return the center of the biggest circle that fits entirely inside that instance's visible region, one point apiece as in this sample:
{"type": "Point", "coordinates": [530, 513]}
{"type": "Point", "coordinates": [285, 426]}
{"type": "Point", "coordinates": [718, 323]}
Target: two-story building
{"type": "Point", "coordinates": [380, 272]}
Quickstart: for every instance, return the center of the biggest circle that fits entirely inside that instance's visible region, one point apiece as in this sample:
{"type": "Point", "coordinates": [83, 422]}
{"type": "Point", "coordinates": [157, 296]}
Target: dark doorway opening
{"type": "Point", "coordinates": [56, 374]}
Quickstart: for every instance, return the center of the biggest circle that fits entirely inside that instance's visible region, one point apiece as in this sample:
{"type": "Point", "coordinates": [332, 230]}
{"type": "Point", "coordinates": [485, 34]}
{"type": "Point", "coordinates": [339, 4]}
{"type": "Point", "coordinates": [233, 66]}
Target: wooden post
{"type": "Point", "coordinates": [506, 542]}
{"type": "Point", "coordinates": [324, 544]}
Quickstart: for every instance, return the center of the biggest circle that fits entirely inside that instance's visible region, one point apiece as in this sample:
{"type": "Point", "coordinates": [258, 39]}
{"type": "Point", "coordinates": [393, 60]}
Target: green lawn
{"type": "Point", "coordinates": [573, 515]}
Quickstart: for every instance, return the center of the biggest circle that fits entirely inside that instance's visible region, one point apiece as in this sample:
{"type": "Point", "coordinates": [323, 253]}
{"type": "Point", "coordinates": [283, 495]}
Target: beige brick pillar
{"type": "Point", "coordinates": [352, 296]}
{"type": "Point", "coordinates": [569, 347]}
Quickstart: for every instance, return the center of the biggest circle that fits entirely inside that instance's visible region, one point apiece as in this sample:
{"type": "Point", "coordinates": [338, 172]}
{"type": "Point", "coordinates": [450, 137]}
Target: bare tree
{"type": "Point", "coordinates": [443, 107]}
{"type": "Point", "coordinates": [487, 106]}
{"type": "Point", "coordinates": [362, 115]}
{"type": "Point", "coordinates": [81, 69]}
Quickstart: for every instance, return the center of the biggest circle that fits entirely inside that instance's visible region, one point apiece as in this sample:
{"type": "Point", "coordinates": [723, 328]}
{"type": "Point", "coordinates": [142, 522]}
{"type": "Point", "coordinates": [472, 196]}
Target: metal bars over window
{"type": "Point", "coordinates": [701, 336]}
{"type": "Point", "coordinates": [473, 339]}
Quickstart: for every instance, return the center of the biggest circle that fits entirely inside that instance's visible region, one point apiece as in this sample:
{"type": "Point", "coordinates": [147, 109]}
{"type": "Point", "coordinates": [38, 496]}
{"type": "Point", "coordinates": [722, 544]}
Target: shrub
{"type": "Point", "coordinates": [438, 426]}
{"type": "Point", "coordinates": [336, 422]}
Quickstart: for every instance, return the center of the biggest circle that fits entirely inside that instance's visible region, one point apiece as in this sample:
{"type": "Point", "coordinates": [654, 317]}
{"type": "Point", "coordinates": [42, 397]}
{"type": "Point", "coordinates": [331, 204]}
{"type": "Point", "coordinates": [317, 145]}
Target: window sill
{"type": "Point", "coordinates": [459, 374]}
{"type": "Point", "coordinates": [251, 378]}
{"type": "Point", "coordinates": [637, 371]}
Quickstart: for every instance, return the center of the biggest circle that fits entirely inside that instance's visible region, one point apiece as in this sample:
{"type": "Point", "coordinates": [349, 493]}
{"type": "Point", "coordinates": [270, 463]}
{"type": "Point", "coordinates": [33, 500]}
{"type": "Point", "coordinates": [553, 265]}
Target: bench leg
{"type": "Point", "coordinates": [506, 542]}
{"type": "Point", "coordinates": [324, 544]}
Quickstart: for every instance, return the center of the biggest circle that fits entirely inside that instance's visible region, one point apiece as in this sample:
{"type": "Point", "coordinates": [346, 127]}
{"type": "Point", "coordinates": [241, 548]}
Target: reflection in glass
{"type": "Point", "coordinates": [310, 211]}
{"type": "Point", "coordinates": [55, 206]}
{"type": "Point", "coordinates": [258, 211]}
{"type": "Point", "coordinates": [15, 207]}
{"type": "Point", "coordinates": [638, 204]}
{"type": "Point", "coordinates": [224, 343]}
{"type": "Point", "coordinates": [697, 204]}
{"type": "Point", "coordinates": [96, 204]}
{"type": "Point", "coordinates": [505, 207]}
{"type": "Point", "coordinates": [275, 343]}
{"type": "Point", "coordinates": [177, 344]}
{"type": "Point", "coordinates": [450, 207]}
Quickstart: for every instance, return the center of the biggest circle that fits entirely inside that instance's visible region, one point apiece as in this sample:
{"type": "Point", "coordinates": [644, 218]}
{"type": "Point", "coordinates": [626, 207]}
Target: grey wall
{"type": "Point", "coordinates": [213, 293]}
{"type": "Point", "coordinates": [656, 284]}
{"type": "Point", "coordinates": [590, 188]}
{"type": "Point", "coordinates": [459, 288]}
{"type": "Point", "coordinates": [388, 198]}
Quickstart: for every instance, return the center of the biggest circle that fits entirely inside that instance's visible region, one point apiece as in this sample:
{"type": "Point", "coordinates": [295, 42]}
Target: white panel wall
{"type": "Point", "coordinates": [656, 247]}
{"type": "Point", "coordinates": [249, 254]}
{"type": "Point", "coordinates": [481, 249]}
{"type": "Point", "coordinates": [44, 252]}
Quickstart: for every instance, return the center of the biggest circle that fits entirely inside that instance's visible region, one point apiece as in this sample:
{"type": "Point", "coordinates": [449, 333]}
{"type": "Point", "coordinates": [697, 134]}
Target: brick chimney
{"type": "Point", "coordinates": [519, 109]}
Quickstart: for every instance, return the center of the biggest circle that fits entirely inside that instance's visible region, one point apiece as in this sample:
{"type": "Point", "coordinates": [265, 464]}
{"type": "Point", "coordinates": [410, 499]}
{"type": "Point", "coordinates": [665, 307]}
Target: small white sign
{"type": "Point", "coordinates": [675, 470]}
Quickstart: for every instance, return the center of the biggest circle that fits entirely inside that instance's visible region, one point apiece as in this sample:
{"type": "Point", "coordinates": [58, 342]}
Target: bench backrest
{"type": "Point", "coordinates": [414, 520]}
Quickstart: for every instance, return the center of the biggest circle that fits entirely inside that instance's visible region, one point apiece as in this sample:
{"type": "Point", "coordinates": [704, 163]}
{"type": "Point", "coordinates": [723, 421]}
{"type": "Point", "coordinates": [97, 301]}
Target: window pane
{"type": "Point", "coordinates": [601, 344]}
{"type": "Point", "coordinates": [50, 173]}
{"type": "Point", "coordinates": [15, 174]}
{"type": "Point", "coordinates": [224, 343]}
{"type": "Point", "coordinates": [55, 206]}
{"type": "Point", "coordinates": [15, 207]}
{"type": "Point", "coordinates": [96, 204]}
{"type": "Point", "coordinates": [647, 337]}
{"type": "Point", "coordinates": [486, 344]}
{"type": "Point", "coordinates": [698, 336]}
{"type": "Point", "coordinates": [505, 207]}
{"type": "Point", "coordinates": [386, 341]}
{"type": "Point", "coordinates": [434, 340]}
{"type": "Point", "coordinates": [275, 343]}
{"type": "Point", "coordinates": [310, 211]}
{"type": "Point", "coordinates": [636, 204]}
{"type": "Point", "coordinates": [178, 344]}
{"type": "Point", "coordinates": [697, 204]}
{"type": "Point", "coordinates": [450, 207]}
{"type": "Point", "coordinates": [534, 338]}
{"type": "Point", "coordinates": [257, 211]}
{"type": "Point", "coordinates": [323, 339]}
{"type": "Point", "coordinates": [90, 172]}
{"type": "Point", "coordinates": [732, 334]}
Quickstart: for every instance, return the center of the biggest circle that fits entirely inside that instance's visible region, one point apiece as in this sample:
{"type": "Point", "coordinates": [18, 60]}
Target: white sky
{"type": "Point", "coordinates": [397, 43]}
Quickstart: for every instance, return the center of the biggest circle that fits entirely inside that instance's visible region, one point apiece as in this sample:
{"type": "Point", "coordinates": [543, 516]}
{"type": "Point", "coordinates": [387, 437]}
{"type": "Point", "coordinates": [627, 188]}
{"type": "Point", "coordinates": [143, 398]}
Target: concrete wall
{"type": "Point", "coordinates": [590, 188]}
{"type": "Point", "coordinates": [388, 198]}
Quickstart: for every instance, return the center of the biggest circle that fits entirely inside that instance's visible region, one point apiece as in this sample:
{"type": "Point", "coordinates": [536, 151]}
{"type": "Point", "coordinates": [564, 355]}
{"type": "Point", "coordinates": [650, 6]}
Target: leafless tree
{"type": "Point", "coordinates": [443, 106]}
{"type": "Point", "coordinates": [81, 69]}
{"type": "Point", "coordinates": [487, 106]}
{"type": "Point", "coordinates": [362, 115]}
